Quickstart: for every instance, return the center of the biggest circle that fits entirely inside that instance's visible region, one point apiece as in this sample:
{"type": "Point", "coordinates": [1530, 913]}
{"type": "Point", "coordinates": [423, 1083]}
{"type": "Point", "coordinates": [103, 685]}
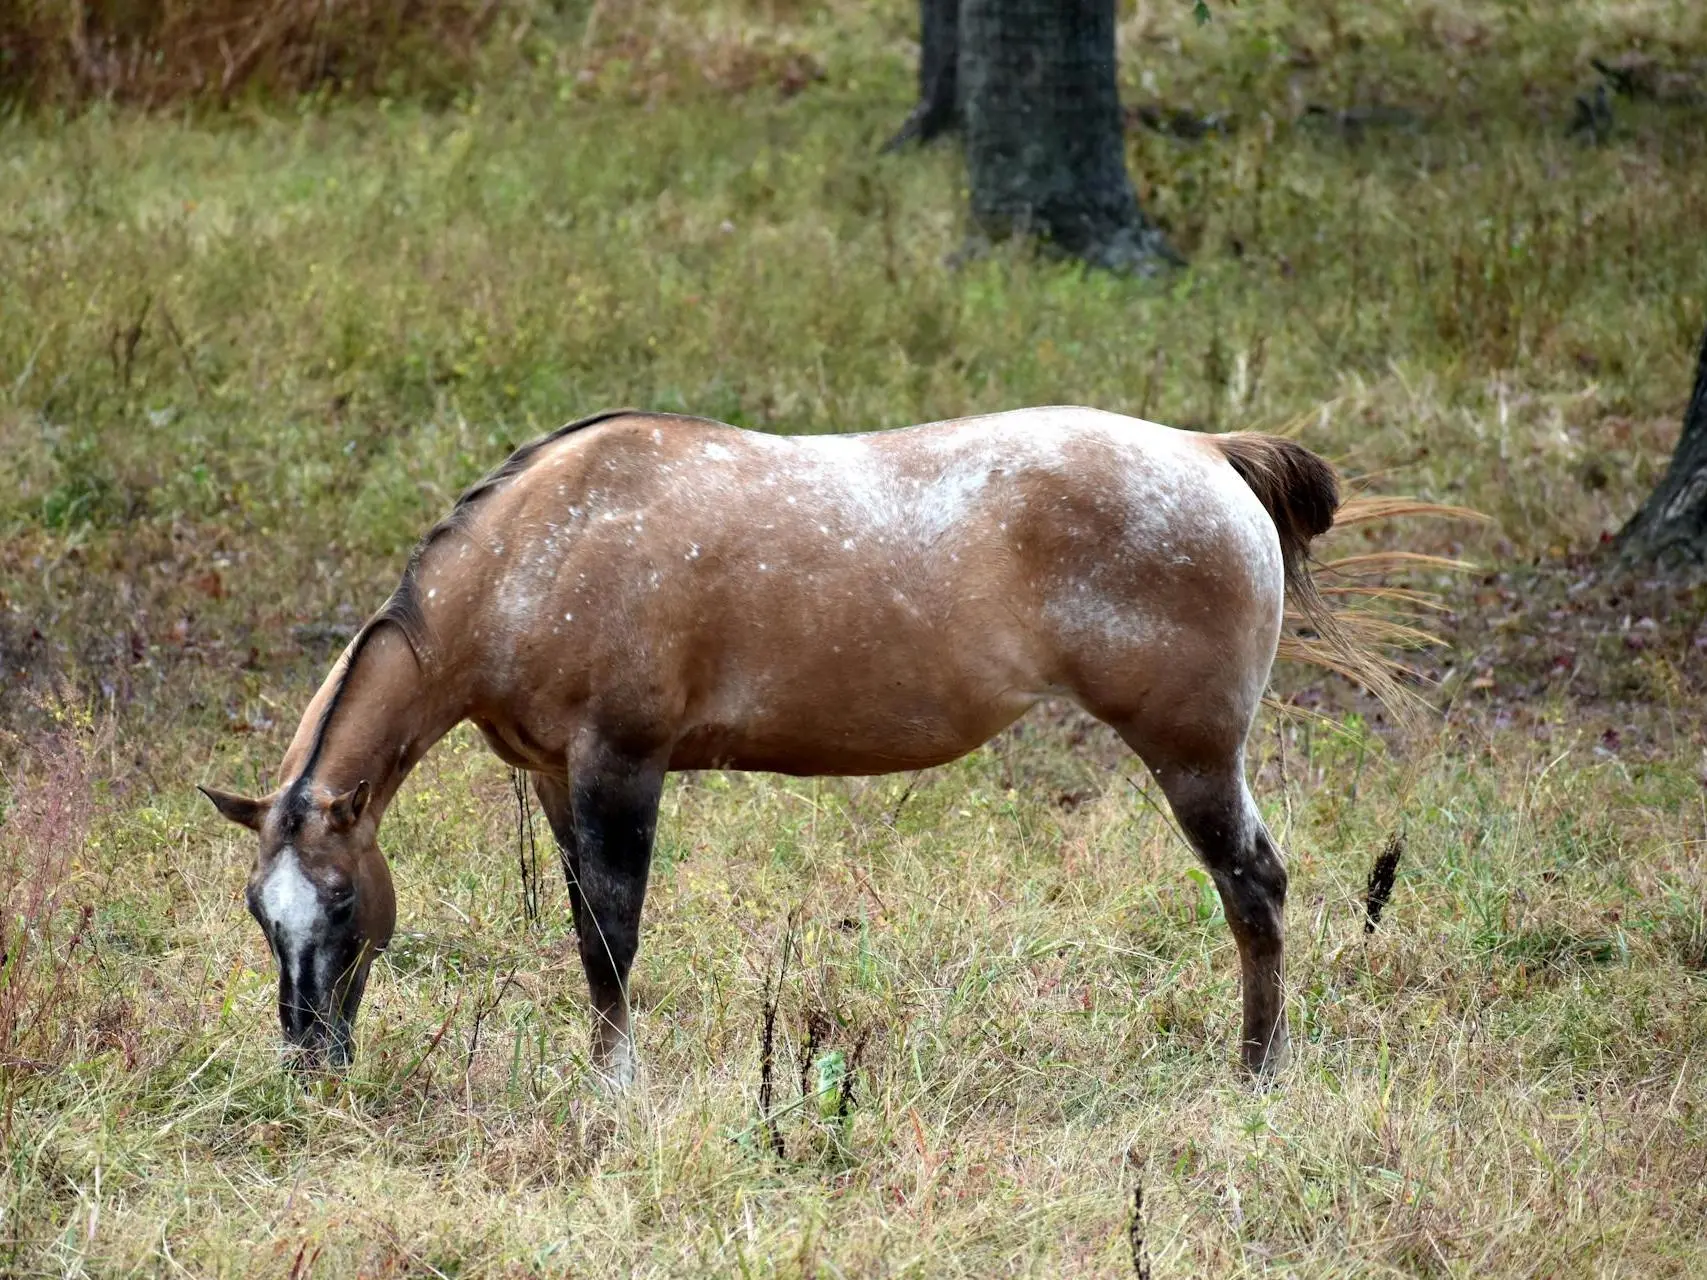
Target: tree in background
{"type": "Point", "coordinates": [938, 111]}
{"type": "Point", "coordinates": [1031, 84]}
{"type": "Point", "coordinates": [1670, 531]}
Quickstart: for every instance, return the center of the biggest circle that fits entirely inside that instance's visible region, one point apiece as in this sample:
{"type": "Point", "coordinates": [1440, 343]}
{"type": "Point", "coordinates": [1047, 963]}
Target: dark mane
{"type": "Point", "coordinates": [403, 609]}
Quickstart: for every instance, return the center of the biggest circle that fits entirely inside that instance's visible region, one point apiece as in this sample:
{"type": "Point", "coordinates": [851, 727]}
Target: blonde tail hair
{"type": "Point", "coordinates": [1301, 493]}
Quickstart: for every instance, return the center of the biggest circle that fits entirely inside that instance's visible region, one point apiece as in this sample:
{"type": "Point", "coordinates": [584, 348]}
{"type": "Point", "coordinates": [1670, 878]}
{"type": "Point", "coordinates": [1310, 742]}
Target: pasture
{"type": "Point", "coordinates": [247, 355]}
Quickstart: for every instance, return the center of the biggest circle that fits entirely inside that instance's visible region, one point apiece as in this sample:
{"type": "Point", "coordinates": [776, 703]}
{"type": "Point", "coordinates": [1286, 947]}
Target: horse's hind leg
{"type": "Point", "coordinates": [1208, 796]}
{"type": "Point", "coordinates": [614, 810]}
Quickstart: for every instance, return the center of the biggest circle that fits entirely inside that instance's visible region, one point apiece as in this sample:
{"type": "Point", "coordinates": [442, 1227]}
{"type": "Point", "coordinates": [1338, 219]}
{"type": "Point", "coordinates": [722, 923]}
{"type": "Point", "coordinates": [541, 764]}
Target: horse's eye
{"type": "Point", "coordinates": [342, 905]}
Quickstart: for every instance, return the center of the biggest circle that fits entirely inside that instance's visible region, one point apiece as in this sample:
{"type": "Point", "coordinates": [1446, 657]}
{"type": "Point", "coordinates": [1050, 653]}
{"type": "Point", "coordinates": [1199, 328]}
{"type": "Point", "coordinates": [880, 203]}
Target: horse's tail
{"type": "Point", "coordinates": [1301, 494]}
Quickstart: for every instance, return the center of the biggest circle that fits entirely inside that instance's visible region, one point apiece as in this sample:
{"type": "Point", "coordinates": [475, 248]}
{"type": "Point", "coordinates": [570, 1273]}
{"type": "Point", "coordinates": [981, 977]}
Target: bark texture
{"type": "Point", "coordinates": [1045, 138]}
{"type": "Point", "coordinates": [938, 111]}
{"type": "Point", "coordinates": [1669, 533]}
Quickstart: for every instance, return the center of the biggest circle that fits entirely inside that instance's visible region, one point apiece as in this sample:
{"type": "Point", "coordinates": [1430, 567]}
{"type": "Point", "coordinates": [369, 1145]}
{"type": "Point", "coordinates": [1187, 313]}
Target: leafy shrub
{"type": "Point", "coordinates": [155, 51]}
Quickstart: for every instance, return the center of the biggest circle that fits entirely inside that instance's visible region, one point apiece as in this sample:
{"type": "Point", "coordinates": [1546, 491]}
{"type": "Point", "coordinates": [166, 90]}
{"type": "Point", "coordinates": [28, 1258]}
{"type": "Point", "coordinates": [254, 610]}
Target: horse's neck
{"type": "Point", "coordinates": [380, 720]}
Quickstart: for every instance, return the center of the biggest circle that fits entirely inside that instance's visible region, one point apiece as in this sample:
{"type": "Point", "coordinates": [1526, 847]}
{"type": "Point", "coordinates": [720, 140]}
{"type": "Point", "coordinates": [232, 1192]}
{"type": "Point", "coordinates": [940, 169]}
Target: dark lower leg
{"type": "Point", "coordinates": [1221, 823]}
{"type": "Point", "coordinates": [555, 801]}
{"type": "Point", "coordinates": [615, 808]}
{"type": "Point", "coordinates": [1253, 895]}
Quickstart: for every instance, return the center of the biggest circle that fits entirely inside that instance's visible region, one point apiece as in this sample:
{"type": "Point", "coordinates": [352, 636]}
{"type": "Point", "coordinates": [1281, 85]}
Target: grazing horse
{"type": "Point", "coordinates": [635, 593]}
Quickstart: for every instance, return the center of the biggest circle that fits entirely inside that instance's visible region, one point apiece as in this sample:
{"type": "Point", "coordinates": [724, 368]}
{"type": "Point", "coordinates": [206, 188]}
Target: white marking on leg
{"type": "Point", "coordinates": [619, 1068]}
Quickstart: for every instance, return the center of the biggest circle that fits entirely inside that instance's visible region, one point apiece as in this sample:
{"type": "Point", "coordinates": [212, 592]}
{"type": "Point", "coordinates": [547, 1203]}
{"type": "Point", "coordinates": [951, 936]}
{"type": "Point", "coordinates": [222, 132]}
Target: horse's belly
{"type": "Point", "coordinates": [842, 730]}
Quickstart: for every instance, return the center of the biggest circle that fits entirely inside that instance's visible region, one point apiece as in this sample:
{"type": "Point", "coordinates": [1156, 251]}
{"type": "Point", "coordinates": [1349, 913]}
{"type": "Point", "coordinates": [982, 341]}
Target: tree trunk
{"type": "Point", "coordinates": [1669, 533]}
{"type": "Point", "coordinates": [938, 111]}
{"type": "Point", "coordinates": [1045, 138]}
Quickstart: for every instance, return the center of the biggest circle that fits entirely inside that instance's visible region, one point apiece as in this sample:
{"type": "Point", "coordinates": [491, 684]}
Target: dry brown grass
{"type": "Point", "coordinates": [44, 919]}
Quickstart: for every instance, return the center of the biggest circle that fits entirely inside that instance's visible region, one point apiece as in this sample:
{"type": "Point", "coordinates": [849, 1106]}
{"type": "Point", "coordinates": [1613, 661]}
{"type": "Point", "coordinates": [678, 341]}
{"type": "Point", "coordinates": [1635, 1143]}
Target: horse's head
{"type": "Point", "coordinates": [322, 894]}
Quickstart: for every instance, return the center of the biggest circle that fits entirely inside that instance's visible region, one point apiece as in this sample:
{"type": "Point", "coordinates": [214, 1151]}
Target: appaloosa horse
{"type": "Point", "coordinates": [636, 593]}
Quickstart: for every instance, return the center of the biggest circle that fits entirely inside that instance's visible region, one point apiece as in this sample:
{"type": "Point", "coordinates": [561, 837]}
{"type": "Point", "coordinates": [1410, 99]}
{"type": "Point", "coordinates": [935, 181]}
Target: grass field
{"type": "Point", "coordinates": [246, 356]}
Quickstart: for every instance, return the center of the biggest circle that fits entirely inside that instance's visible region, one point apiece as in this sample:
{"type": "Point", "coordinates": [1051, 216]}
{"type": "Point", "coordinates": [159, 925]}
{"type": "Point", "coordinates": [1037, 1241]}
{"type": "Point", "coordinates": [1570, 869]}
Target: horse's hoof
{"type": "Point", "coordinates": [1266, 1062]}
{"type": "Point", "coordinates": [616, 1073]}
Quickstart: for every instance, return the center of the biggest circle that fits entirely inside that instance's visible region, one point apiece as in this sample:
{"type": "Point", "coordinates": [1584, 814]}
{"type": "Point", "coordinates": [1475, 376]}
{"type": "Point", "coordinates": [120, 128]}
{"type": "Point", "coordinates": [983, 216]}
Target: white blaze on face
{"type": "Point", "coordinates": [292, 907]}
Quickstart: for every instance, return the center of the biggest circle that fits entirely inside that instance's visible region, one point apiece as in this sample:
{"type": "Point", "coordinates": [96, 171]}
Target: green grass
{"type": "Point", "coordinates": [245, 357]}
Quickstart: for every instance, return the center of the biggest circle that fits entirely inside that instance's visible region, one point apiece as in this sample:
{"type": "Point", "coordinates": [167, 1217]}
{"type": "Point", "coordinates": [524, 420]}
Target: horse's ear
{"type": "Point", "coordinates": [346, 809]}
{"type": "Point", "coordinates": [240, 809]}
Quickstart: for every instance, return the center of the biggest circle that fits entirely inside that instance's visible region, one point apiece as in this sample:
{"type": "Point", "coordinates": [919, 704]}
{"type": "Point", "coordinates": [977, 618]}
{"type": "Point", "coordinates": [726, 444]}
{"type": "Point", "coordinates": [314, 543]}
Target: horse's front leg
{"type": "Point", "coordinates": [614, 806]}
{"type": "Point", "coordinates": [556, 800]}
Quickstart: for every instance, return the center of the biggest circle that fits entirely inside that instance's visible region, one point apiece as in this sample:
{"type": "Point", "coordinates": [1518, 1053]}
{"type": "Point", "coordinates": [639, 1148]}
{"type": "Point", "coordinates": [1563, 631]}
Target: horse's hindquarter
{"type": "Point", "coordinates": [1166, 585]}
{"type": "Point", "coordinates": [862, 604]}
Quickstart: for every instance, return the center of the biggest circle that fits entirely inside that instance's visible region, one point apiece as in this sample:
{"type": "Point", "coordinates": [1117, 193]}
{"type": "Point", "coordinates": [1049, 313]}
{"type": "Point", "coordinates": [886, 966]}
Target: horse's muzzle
{"type": "Point", "coordinates": [319, 1027]}
{"type": "Point", "coordinates": [320, 1047]}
